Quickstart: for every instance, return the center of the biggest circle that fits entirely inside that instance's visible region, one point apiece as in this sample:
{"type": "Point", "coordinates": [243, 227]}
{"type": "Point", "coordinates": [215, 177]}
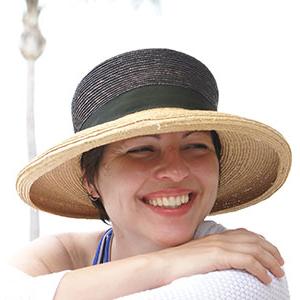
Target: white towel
{"type": "Point", "coordinates": [17, 285]}
{"type": "Point", "coordinates": [218, 285]}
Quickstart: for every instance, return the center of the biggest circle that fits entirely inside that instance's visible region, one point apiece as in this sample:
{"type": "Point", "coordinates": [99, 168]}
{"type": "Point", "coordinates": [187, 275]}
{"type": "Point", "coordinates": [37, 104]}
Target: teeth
{"type": "Point", "coordinates": [171, 202]}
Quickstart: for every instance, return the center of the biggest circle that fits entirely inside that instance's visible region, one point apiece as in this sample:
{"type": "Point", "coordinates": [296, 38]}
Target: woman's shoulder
{"type": "Point", "coordinates": [55, 253]}
{"type": "Point", "coordinates": [208, 227]}
{"type": "Point", "coordinates": [81, 246]}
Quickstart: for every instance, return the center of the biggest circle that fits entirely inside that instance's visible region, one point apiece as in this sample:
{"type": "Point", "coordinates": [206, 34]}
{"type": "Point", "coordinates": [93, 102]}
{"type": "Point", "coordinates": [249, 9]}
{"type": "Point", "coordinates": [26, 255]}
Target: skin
{"type": "Point", "coordinates": [142, 168]}
{"type": "Point", "coordinates": [148, 241]}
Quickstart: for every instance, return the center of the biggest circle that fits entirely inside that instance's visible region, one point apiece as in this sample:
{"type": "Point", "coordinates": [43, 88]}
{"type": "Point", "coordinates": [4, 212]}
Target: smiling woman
{"type": "Point", "coordinates": [153, 172]}
{"type": "Point", "coordinates": [152, 156]}
{"type": "Point", "coordinates": [138, 146]}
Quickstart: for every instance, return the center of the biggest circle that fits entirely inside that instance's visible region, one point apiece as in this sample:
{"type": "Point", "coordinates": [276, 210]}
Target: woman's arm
{"type": "Point", "coordinates": [233, 249]}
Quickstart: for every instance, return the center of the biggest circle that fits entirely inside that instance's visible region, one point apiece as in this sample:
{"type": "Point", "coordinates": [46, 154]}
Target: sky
{"type": "Point", "coordinates": [252, 48]}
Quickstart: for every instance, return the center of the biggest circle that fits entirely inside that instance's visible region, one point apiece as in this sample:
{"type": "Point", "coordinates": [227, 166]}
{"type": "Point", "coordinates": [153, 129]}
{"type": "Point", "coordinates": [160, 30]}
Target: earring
{"type": "Point", "coordinates": [93, 199]}
{"type": "Point", "coordinates": [96, 201]}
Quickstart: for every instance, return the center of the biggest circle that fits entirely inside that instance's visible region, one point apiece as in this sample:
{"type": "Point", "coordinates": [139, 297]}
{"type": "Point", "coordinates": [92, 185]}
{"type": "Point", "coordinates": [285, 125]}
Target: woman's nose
{"type": "Point", "coordinates": [172, 167]}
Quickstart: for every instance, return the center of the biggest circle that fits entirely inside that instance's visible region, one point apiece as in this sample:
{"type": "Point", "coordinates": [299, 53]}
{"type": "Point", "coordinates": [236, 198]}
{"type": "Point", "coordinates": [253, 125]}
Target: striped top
{"type": "Point", "coordinates": [104, 248]}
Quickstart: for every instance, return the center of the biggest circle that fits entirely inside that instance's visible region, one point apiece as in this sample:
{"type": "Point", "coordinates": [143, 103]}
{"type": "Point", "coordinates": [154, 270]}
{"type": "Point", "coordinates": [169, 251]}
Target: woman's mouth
{"type": "Point", "coordinates": [169, 201]}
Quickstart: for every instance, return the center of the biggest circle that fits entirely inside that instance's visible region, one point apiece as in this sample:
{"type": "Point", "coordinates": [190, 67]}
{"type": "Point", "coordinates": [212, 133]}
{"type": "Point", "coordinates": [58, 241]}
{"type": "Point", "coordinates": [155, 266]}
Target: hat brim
{"type": "Point", "coordinates": [255, 160]}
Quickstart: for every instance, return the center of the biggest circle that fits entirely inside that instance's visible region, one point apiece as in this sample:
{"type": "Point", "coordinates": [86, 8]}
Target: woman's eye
{"type": "Point", "coordinates": [196, 146]}
{"type": "Point", "coordinates": [143, 149]}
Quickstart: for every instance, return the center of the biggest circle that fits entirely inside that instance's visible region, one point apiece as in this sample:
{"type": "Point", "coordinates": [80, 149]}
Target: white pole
{"type": "Point", "coordinates": [30, 111]}
{"type": "Point", "coordinates": [32, 46]}
{"type": "Point", "coordinates": [31, 143]}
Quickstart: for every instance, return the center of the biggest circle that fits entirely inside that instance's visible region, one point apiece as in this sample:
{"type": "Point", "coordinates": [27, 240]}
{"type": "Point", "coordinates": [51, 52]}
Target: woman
{"type": "Point", "coordinates": [153, 156]}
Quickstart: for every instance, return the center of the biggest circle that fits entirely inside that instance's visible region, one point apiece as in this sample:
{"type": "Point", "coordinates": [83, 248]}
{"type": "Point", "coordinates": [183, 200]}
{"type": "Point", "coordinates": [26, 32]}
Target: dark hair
{"type": "Point", "coordinates": [90, 162]}
{"type": "Point", "coordinates": [217, 143]}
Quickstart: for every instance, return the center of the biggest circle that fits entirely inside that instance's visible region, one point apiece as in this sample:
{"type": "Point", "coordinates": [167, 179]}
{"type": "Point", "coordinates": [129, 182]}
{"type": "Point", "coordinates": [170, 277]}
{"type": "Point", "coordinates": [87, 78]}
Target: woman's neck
{"type": "Point", "coordinates": [125, 247]}
{"type": "Point", "coordinates": [127, 244]}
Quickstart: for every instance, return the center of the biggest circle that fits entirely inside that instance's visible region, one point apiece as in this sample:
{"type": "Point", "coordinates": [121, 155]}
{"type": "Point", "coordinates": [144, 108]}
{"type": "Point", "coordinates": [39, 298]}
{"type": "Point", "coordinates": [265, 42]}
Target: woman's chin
{"type": "Point", "coordinates": [174, 238]}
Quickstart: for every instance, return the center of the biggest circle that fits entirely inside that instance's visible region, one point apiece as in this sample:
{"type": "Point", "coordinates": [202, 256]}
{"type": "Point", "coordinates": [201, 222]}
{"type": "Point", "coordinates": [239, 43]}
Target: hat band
{"type": "Point", "coordinates": [147, 97]}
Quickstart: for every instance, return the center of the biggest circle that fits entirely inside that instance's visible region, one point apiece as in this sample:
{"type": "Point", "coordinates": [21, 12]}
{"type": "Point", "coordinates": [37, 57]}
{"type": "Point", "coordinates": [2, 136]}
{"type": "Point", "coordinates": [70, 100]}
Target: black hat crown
{"type": "Point", "coordinates": [142, 79]}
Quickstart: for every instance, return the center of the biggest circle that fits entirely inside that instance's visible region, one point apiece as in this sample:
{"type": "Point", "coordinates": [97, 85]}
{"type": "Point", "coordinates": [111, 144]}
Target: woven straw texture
{"type": "Point", "coordinates": [135, 69]}
{"type": "Point", "coordinates": [255, 158]}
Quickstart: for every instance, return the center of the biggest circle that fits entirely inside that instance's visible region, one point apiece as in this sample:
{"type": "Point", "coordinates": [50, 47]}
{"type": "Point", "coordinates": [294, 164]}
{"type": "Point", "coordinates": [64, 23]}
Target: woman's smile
{"type": "Point", "coordinates": [172, 202]}
{"type": "Point", "coordinates": [172, 206]}
{"type": "Point", "coordinates": [169, 180]}
{"type": "Point", "coordinates": [169, 202]}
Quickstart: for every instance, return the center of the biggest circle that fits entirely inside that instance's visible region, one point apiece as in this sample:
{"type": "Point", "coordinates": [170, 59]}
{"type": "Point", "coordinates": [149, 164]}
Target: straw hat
{"type": "Point", "coordinates": [154, 91]}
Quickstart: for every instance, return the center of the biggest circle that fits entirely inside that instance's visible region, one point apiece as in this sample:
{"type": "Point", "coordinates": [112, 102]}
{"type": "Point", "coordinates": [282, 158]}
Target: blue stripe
{"type": "Point", "coordinates": [106, 254]}
{"type": "Point", "coordinates": [103, 250]}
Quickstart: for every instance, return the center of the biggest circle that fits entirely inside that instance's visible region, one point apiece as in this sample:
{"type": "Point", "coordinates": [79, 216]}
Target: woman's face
{"type": "Point", "coordinates": [158, 188]}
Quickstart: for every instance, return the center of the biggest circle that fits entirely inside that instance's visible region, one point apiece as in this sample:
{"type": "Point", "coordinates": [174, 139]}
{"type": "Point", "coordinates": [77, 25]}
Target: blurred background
{"type": "Point", "coordinates": [252, 48]}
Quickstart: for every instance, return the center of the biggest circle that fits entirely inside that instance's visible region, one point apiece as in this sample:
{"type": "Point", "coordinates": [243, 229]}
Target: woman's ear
{"type": "Point", "coordinates": [90, 188]}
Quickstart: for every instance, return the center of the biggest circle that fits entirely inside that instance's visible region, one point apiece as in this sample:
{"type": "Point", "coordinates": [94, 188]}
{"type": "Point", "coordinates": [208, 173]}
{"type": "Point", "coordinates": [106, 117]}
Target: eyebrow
{"type": "Point", "coordinates": [157, 136]}
{"type": "Point", "coordinates": [191, 132]}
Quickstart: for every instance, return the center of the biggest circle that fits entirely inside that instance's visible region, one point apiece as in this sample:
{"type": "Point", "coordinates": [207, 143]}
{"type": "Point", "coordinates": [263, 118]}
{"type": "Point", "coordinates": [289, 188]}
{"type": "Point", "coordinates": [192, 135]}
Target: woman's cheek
{"type": "Point", "coordinates": [207, 164]}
